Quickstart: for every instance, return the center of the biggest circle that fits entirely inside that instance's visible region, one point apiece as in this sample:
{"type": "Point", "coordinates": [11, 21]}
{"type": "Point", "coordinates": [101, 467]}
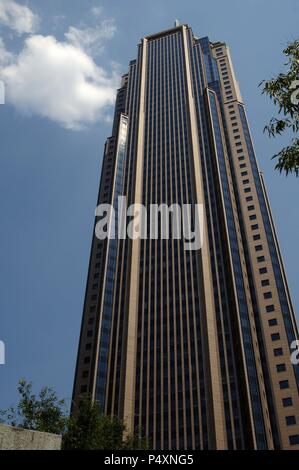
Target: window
{"type": "Point", "coordinates": [290, 420]}
{"type": "Point", "coordinates": [254, 227]}
{"type": "Point", "coordinates": [287, 402]}
{"type": "Point", "coordinates": [278, 352]}
{"type": "Point", "coordinates": [249, 198]}
{"type": "Point", "coordinates": [294, 440]}
{"type": "Point", "coordinates": [265, 282]}
{"type": "Point", "coordinates": [85, 374]}
{"type": "Point", "coordinates": [244, 173]}
{"type": "Point", "coordinates": [263, 270]}
{"type": "Point", "coordinates": [259, 248]}
{"type": "Point", "coordinates": [260, 259]}
{"type": "Point", "coordinates": [270, 308]}
{"type": "Point", "coordinates": [275, 337]}
{"type": "Point", "coordinates": [272, 322]}
{"type": "Point", "coordinates": [283, 384]}
{"type": "Point", "coordinates": [281, 368]}
{"type": "Point", "coordinates": [268, 295]}
{"type": "Point", "coordinates": [243, 165]}
{"type": "Point", "coordinates": [84, 389]}
{"type": "Point", "coordinates": [89, 334]}
{"type": "Point", "coordinates": [252, 217]}
{"type": "Point", "coordinates": [256, 237]}
{"type": "Point", "coordinates": [87, 360]}
{"type": "Point", "coordinates": [247, 190]}
{"type": "Point", "coordinates": [245, 181]}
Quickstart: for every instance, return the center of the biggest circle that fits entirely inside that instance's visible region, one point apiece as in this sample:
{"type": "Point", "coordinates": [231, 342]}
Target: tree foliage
{"type": "Point", "coordinates": [283, 90]}
{"type": "Point", "coordinates": [43, 412]}
{"type": "Point", "coordinates": [87, 429]}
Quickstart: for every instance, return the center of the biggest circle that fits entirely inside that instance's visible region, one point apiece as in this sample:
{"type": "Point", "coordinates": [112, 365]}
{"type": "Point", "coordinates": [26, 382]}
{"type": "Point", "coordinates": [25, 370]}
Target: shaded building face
{"type": "Point", "coordinates": [190, 346]}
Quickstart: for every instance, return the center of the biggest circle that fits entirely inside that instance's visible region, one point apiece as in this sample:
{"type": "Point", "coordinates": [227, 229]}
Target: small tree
{"type": "Point", "coordinates": [283, 90]}
{"type": "Point", "coordinates": [89, 429]}
{"type": "Point", "coordinates": [136, 441]}
{"type": "Point", "coordinates": [43, 412]}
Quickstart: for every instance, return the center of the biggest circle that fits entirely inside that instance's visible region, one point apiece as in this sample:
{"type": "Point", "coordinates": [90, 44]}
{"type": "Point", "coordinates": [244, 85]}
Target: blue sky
{"type": "Point", "coordinates": [51, 143]}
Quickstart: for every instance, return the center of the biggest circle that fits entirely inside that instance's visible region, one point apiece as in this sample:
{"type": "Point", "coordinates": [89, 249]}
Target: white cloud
{"type": "Point", "coordinates": [92, 39]}
{"type": "Point", "coordinates": [18, 17]}
{"type": "Point", "coordinates": [58, 81]}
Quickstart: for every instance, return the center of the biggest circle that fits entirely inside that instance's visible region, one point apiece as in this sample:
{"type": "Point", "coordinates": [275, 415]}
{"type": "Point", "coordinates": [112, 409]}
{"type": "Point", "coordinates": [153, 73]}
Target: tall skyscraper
{"type": "Point", "coordinates": [191, 346]}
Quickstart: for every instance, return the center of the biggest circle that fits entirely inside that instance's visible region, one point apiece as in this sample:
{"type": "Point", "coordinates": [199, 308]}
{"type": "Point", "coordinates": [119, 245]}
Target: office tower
{"type": "Point", "coordinates": [191, 346]}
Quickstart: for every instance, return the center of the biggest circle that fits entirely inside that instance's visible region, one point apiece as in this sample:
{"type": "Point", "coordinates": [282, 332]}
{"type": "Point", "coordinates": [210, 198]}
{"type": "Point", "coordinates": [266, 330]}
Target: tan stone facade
{"type": "Point", "coordinates": [258, 238]}
{"type": "Point", "coordinates": [191, 347]}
